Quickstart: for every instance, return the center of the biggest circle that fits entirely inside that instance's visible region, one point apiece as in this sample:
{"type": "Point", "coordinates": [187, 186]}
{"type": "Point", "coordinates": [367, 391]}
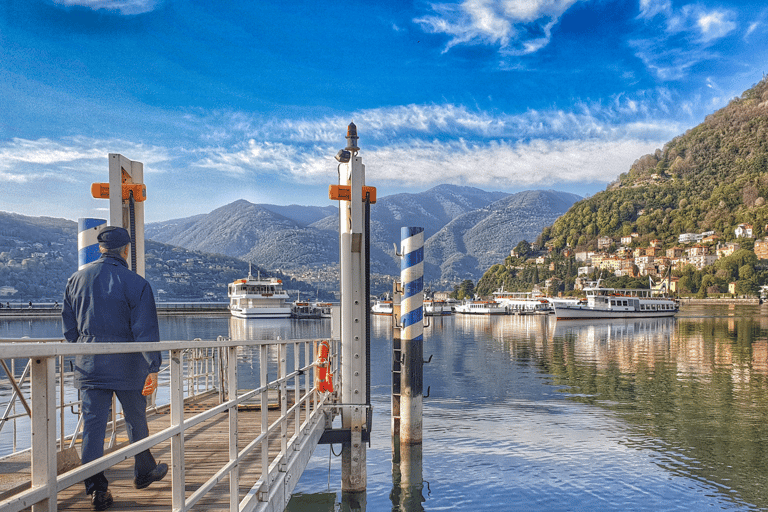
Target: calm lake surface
{"type": "Point", "coordinates": [528, 413]}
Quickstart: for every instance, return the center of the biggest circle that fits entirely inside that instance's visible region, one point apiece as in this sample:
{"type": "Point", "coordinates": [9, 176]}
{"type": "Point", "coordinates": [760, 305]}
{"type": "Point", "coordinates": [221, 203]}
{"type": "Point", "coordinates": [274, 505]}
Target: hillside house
{"type": "Point", "coordinates": [701, 260]}
{"type": "Point", "coordinates": [604, 242]}
{"type": "Point", "coordinates": [584, 271]}
{"type": "Point", "coordinates": [688, 238]}
{"type": "Point", "coordinates": [725, 250]}
{"type": "Point", "coordinates": [675, 253]}
{"type": "Point", "coordinates": [743, 231]}
{"type": "Point", "coordinates": [697, 250]}
{"type": "Point", "coordinates": [655, 243]}
{"type": "Point", "coordinates": [711, 239]}
{"type": "Point", "coordinates": [761, 248]}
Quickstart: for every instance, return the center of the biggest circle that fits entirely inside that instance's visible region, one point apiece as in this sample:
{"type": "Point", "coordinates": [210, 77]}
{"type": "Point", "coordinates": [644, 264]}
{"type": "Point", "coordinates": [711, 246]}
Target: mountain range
{"type": "Point", "coordinates": [465, 231]}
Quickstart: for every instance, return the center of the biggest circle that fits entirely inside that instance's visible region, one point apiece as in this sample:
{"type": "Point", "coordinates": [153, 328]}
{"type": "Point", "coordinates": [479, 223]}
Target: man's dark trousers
{"type": "Point", "coordinates": [96, 406]}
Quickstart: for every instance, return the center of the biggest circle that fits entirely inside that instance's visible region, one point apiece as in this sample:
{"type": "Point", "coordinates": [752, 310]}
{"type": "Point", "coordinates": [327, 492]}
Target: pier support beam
{"type": "Point", "coordinates": [354, 316]}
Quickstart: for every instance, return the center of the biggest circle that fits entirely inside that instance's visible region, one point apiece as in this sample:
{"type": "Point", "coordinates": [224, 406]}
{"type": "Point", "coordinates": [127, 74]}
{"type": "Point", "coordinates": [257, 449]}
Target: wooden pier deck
{"type": "Point", "coordinates": [206, 451]}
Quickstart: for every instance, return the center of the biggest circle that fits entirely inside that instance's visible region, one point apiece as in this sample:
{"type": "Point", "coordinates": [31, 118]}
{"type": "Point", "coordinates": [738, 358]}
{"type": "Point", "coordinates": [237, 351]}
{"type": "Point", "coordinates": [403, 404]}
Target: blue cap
{"type": "Point", "coordinates": [113, 237]}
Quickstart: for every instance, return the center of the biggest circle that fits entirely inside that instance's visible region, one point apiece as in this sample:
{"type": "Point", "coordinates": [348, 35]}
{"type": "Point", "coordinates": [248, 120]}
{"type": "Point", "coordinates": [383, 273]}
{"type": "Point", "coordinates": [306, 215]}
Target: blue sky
{"type": "Point", "coordinates": [250, 100]}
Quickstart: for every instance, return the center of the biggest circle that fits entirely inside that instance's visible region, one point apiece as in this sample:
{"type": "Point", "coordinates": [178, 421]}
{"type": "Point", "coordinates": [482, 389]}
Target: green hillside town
{"type": "Point", "coordinates": [695, 209]}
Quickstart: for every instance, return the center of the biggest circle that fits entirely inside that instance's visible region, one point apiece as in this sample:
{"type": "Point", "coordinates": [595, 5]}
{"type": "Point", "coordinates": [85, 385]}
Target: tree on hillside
{"type": "Point", "coordinates": [522, 249]}
{"type": "Point", "coordinates": [466, 290]}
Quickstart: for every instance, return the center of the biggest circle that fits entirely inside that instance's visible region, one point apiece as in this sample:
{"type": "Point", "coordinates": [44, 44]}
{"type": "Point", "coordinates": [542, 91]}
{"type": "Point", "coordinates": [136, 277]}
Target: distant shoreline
{"type": "Point", "coordinates": [694, 300]}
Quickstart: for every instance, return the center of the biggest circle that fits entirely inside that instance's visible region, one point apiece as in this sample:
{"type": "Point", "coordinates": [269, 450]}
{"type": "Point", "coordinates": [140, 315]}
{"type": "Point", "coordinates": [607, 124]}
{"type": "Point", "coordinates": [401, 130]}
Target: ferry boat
{"type": "Point", "coordinates": [618, 303]}
{"type": "Point", "coordinates": [303, 309]}
{"type": "Point", "coordinates": [382, 307]}
{"type": "Point", "coordinates": [434, 307]}
{"type": "Point", "coordinates": [523, 303]}
{"type": "Point", "coordinates": [323, 308]}
{"type": "Point", "coordinates": [480, 307]}
{"type": "Point", "coordinates": [258, 298]}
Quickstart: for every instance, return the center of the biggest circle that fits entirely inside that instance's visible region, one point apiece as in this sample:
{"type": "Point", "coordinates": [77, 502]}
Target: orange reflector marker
{"type": "Point", "coordinates": [344, 193]}
{"type": "Point", "coordinates": [101, 191]}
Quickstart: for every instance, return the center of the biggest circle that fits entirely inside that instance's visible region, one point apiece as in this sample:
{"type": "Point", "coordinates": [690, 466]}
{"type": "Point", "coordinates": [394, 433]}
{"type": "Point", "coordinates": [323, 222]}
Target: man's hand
{"type": "Point", "coordinates": [150, 385]}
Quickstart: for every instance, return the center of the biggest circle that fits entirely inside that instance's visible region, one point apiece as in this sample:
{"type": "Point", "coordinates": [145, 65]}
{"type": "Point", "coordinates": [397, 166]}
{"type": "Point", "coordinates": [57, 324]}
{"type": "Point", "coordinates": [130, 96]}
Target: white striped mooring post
{"type": "Point", "coordinates": [87, 244]}
{"type": "Point", "coordinates": [411, 334]}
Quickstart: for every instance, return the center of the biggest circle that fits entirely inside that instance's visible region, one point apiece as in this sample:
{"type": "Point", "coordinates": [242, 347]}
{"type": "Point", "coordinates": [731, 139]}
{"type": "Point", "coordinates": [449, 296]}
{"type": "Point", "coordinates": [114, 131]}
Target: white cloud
{"type": "Point", "coordinates": [651, 8]}
{"type": "Point", "coordinates": [124, 7]}
{"type": "Point", "coordinates": [516, 27]}
{"type": "Point", "coordinates": [68, 159]}
{"type": "Point", "coordinates": [422, 145]}
{"type": "Point", "coordinates": [675, 40]}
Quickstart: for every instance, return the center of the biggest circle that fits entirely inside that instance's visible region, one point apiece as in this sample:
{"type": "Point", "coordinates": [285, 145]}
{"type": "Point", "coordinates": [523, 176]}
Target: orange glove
{"type": "Point", "coordinates": [150, 385]}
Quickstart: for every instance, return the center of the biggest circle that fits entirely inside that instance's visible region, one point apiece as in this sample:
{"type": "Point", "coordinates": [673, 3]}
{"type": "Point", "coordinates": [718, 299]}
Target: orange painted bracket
{"type": "Point", "coordinates": [101, 191]}
{"type": "Point", "coordinates": [344, 193]}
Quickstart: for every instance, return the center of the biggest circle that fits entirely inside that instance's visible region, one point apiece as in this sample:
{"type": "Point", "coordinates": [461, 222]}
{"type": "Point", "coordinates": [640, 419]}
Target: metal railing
{"type": "Point", "coordinates": [200, 377]}
{"type": "Point", "coordinates": [195, 368]}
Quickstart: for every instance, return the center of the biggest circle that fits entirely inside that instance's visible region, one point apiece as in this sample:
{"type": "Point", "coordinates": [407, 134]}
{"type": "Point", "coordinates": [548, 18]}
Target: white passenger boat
{"type": "Point", "coordinates": [480, 307]}
{"type": "Point", "coordinates": [382, 307]}
{"type": "Point", "coordinates": [618, 303]}
{"type": "Point", "coordinates": [523, 303]}
{"type": "Point", "coordinates": [324, 308]}
{"type": "Point", "coordinates": [434, 307]}
{"type": "Point", "coordinates": [258, 298]}
{"type": "Point", "coordinates": [304, 309]}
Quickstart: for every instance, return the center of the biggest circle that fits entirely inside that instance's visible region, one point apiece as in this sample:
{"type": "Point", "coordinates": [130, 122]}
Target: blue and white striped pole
{"type": "Point", "coordinates": [411, 334]}
{"type": "Point", "coordinates": [87, 244]}
{"type": "Point", "coordinates": [412, 277]}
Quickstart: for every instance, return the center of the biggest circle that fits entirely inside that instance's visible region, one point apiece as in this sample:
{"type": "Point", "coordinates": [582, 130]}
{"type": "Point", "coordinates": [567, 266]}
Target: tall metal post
{"type": "Point", "coordinates": [354, 318]}
{"type": "Point", "coordinates": [412, 334]}
{"type": "Point", "coordinates": [127, 212]}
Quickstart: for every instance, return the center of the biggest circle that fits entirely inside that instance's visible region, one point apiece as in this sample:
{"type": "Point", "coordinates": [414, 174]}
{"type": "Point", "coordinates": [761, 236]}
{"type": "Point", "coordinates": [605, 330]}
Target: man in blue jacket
{"type": "Point", "coordinates": [105, 302]}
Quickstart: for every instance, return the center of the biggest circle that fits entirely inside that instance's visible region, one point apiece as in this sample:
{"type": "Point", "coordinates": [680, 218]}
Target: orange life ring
{"type": "Point", "coordinates": [324, 376]}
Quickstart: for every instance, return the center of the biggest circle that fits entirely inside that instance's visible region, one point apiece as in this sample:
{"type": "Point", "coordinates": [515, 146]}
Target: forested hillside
{"type": "Point", "coordinates": [710, 179]}
{"type": "Point", "coordinates": [713, 177]}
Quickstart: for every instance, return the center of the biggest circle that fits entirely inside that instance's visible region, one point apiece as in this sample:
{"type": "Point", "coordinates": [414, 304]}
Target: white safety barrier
{"type": "Point", "coordinates": [191, 372]}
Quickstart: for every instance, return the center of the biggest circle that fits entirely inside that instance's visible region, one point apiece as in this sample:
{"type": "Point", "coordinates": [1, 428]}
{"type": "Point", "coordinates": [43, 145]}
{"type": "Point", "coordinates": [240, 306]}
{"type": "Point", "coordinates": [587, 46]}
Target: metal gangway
{"type": "Point", "coordinates": [265, 435]}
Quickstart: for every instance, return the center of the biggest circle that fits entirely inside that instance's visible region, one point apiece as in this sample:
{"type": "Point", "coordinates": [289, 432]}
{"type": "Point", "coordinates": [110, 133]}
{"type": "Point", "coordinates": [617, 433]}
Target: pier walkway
{"type": "Point", "coordinates": [228, 448]}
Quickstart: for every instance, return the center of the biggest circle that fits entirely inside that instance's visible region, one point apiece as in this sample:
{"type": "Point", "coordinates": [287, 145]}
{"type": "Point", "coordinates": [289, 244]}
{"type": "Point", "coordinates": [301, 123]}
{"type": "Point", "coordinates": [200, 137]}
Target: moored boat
{"type": "Point", "coordinates": [523, 303]}
{"type": "Point", "coordinates": [258, 298]}
{"type": "Point", "coordinates": [436, 307]}
{"type": "Point", "coordinates": [323, 308]}
{"type": "Point", "coordinates": [382, 307]}
{"type": "Point", "coordinates": [304, 309]}
{"type": "Point", "coordinates": [618, 303]}
{"type": "Point", "coordinates": [480, 307]}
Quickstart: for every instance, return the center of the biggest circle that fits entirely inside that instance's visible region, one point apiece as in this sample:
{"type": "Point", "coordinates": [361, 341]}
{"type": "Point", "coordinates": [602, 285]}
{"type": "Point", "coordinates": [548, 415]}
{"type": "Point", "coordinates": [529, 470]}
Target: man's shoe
{"type": "Point", "coordinates": [101, 500]}
{"type": "Point", "coordinates": [153, 476]}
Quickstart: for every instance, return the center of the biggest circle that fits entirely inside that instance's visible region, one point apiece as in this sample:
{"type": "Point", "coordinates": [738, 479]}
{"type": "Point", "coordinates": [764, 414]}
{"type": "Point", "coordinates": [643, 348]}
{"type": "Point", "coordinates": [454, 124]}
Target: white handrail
{"type": "Point", "coordinates": [276, 475]}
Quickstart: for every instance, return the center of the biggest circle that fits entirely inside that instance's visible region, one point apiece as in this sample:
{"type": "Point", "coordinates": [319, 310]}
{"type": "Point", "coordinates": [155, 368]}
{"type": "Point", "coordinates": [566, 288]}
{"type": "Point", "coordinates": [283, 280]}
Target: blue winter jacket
{"type": "Point", "coordinates": [105, 302]}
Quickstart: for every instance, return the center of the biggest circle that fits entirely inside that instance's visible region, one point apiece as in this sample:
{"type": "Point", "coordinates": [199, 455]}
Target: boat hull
{"type": "Point", "coordinates": [587, 313]}
{"type": "Point", "coordinates": [261, 312]}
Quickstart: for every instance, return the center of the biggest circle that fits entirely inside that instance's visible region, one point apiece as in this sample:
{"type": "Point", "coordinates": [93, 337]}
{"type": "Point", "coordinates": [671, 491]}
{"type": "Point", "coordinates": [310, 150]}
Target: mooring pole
{"type": "Point", "coordinates": [354, 318]}
{"type": "Point", "coordinates": [397, 357]}
{"type": "Point", "coordinates": [412, 334]}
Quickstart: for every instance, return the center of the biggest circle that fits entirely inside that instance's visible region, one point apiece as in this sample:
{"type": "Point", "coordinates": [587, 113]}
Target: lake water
{"type": "Point", "coordinates": [528, 413]}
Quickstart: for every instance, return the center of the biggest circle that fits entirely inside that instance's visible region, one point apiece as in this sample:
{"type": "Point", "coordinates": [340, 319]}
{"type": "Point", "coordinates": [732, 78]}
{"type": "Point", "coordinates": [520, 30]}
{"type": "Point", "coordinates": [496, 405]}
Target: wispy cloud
{"type": "Point", "coordinates": [422, 145]}
{"type": "Point", "coordinates": [67, 159]}
{"type": "Point", "coordinates": [674, 40]}
{"type": "Point", "coordinates": [124, 7]}
{"type": "Point", "coordinates": [436, 143]}
{"type": "Point", "coordinates": [517, 28]}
